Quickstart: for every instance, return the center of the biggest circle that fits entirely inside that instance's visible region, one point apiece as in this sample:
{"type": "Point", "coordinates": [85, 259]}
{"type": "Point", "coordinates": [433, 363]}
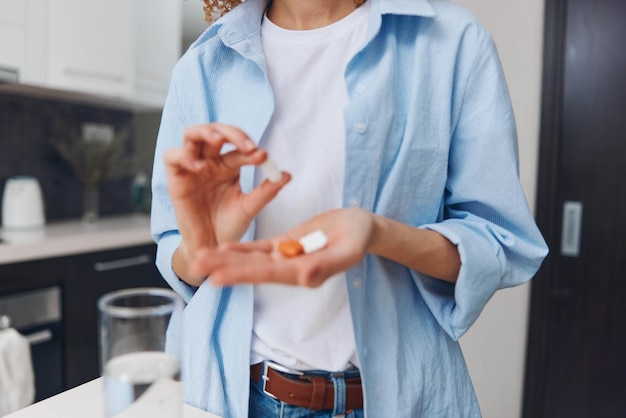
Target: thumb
{"type": "Point", "coordinates": [258, 198]}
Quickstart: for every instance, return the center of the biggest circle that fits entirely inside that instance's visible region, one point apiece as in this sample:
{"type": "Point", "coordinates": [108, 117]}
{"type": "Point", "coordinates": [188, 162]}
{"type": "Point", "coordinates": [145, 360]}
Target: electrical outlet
{"type": "Point", "coordinates": [99, 133]}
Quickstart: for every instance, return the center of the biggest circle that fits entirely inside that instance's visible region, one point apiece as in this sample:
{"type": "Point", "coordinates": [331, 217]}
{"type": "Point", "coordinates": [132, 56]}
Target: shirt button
{"type": "Point", "coordinates": [360, 88]}
{"type": "Point", "coordinates": [357, 282]}
{"type": "Point", "coordinates": [355, 203]}
{"type": "Point", "coordinates": [361, 127]}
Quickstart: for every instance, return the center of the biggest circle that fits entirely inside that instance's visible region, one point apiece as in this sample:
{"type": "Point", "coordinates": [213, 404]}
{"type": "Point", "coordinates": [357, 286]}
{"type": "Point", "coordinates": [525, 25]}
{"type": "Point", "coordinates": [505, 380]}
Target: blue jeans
{"type": "Point", "coordinates": [264, 406]}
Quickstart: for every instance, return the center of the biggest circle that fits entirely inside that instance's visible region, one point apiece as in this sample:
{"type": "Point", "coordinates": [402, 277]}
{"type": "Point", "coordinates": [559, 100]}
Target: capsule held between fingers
{"type": "Point", "coordinates": [270, 171]}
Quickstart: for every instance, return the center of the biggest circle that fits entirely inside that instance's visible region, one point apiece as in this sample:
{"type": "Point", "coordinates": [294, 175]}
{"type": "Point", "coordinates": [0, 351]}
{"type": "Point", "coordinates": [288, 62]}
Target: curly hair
{"type": "Point", "coordinates": [214, 9]}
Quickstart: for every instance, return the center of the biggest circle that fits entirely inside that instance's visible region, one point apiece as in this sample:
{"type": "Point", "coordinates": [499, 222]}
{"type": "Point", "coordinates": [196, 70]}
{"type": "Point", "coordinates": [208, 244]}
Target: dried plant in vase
{"type": "Point", "coordinates": [96, 153]}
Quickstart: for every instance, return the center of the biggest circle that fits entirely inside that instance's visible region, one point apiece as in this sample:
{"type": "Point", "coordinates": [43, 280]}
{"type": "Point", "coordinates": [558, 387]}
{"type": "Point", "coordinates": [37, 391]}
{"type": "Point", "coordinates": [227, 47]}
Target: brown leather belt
{"type": "Point", "coordinates": [314, 392]}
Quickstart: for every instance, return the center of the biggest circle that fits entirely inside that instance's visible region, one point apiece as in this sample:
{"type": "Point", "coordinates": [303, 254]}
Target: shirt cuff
{"type": "Point", "coordinates": [166, 246]}
{"type": "Point", "coordinates": [457, 305]}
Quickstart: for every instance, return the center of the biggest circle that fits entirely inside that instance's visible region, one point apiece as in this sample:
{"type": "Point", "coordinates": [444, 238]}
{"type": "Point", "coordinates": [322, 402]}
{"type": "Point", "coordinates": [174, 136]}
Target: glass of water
{"type": "Point", "coordinates": [140, 343]}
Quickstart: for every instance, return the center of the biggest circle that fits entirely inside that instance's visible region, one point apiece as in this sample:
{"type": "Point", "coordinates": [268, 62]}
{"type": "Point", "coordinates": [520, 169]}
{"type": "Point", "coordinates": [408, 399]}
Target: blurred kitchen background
{"type": "Point", "coordinates": [105, 66]}
{"type": "Point", "coordinates": [125, 51]}
{"type": "Point", "coordinates": [102, 64]}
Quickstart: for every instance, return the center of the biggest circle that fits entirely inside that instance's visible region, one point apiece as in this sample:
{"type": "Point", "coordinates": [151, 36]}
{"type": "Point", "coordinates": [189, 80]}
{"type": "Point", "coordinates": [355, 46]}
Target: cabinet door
{"type": "Point", "coordinates": [94, 275]}
{"type": "Point", "coordinates": [159, 39]}
{"type": "Point", "coordinates": [38, 318]}
{"type": "Point", "coordinates": [12, 34]}
{"type": "Point", "coordinates": [91, 46]}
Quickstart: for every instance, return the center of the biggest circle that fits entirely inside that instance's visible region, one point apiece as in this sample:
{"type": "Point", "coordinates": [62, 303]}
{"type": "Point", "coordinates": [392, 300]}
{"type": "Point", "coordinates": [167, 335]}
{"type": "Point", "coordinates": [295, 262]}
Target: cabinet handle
{"type": "Point", "coordinates": [122, 263]}
{"type": "Point", "coordinates": [94, 74]}
{"type": "Point", "coordinates": [39, 337]}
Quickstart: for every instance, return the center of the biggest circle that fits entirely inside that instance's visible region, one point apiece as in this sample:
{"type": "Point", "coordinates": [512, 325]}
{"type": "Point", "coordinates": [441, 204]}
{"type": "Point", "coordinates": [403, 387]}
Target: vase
{"type": "Point", "coordinates": [90, 203]}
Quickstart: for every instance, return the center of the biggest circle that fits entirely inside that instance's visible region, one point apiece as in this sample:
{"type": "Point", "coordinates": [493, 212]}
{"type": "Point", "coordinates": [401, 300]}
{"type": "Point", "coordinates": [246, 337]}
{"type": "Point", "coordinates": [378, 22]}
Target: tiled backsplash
{"type": "Point", "coordinates": [26, 126]}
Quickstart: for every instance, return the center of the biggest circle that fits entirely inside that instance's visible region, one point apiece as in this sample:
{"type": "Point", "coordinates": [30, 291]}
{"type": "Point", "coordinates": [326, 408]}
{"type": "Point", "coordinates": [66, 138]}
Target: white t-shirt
{"type": "Point", "coordinates": [299, 327]}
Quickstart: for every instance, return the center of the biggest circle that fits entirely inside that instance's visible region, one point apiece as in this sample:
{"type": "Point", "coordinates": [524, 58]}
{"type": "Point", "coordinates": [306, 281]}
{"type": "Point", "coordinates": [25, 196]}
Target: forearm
{"type": "Point", "coordinates": [422, 250]}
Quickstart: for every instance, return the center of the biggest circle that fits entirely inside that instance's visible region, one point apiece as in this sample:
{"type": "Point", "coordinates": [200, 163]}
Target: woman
{"type": "Point", "coordinates": [392, 122]}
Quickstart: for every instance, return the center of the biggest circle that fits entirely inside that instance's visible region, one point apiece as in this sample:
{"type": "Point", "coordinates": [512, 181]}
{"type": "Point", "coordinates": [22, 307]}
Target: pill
{"type": "Point", "coordinates": [314, 241]}
{"type": "Point", "coordinates": [290, 248]}
{"type": "Point", "coordinates": [309, 243]}
{"type": "Point", "coordinates": [270, 171]}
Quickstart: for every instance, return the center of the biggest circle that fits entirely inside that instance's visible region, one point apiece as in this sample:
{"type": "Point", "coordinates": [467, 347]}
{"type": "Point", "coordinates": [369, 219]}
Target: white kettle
{"type": "Point", "coordinates": [22, 204]}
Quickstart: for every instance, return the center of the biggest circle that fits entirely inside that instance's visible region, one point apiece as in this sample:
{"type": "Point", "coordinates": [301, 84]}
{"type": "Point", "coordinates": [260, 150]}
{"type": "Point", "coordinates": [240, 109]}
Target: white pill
{"type": "Point", "coordinates": [314, 241]}
{"type": "Point", "coordinates": [270, 171]}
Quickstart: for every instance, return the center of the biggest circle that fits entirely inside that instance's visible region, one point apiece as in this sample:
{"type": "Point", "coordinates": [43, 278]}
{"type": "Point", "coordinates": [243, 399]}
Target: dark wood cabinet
{"type": "Point", "coordinates": [94, 275]}
{"type": "Point", "coordinates": [83, 279]}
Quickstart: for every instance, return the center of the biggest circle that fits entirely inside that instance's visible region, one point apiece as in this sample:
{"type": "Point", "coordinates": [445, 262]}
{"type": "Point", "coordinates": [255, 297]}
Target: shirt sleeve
{"type": "Point", "coordinates": [162, 219]}
{"type": "Point", "coordinates": [486, 214]}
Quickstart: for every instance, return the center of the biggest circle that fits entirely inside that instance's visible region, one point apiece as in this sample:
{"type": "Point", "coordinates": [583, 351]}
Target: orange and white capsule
{"type": "Point", "coordinates": [308, 244]}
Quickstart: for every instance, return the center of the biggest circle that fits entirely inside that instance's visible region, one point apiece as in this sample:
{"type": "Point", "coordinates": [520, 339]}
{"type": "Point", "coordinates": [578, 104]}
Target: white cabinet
{"type": "Point", "coordinates": [120, 49]}
{"type": "Point", "coordinates": [158, 43]}
{"type": "Point", "coordinates": [90, 46]}
{"type": "Point", "coordinates": [12, 34]}
{"type": "Point", "coordinates": [22, 34]}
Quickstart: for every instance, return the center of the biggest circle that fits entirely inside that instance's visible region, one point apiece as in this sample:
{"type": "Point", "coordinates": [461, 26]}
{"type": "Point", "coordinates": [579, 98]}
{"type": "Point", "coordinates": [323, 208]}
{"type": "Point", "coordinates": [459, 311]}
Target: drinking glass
{"type": "Point", "coordinates": [140, 343]}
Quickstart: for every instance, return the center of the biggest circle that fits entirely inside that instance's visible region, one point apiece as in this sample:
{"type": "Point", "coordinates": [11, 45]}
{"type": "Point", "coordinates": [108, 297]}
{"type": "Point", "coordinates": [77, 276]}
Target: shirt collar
{"type": "Point", "coordinates": [245, 19]}
{"type": "Point", "coordinates": [404, 7]}
{"type": "Point", "coordinates": [241, 22]}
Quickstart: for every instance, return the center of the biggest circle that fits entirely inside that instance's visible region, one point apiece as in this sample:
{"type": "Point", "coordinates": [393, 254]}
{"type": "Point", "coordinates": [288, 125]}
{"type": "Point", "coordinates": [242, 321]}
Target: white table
{"type": "Point", "coordinates": [84, 401]}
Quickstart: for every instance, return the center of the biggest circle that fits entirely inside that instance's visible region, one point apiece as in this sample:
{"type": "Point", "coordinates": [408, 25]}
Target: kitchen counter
{"type": "Point", "coordinates": [74, 237]}
{"type": "Point", "coordinates": [84, 401]}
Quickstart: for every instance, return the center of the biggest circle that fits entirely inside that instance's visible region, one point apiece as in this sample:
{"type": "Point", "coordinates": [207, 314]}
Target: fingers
{"type": "Point", "coordinates": [202, 149]}
{"type": "Point", "coordinates": [177, 161]}
{"type": "Point", "coordinates": [265, 246]}
{"type": "Point", "coordinates": [203, 142]}
{"type": "Point", "coordinates": [234, 160]}
{"type": "Point", "coordinates": [258, 198]}
{"type": "Point", "coordinates": [226, 267]}
{"type": "Point", "coordinates": [259, 262]}
{"type": "Point", "coordinates": [206, 141]}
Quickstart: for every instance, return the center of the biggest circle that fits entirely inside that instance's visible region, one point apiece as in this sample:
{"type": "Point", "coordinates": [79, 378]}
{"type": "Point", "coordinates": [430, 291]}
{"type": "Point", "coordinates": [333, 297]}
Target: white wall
{"type": "Point", "coordinates": [495, 346]}
{"type": "Point", "coordinates": [193, 21]}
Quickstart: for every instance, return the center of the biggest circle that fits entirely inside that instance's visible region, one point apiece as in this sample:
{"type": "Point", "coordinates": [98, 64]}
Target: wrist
{"type": "Point", "coordinates": [180, 265]}
{"type": "Point", "coordinates": [376, 241]}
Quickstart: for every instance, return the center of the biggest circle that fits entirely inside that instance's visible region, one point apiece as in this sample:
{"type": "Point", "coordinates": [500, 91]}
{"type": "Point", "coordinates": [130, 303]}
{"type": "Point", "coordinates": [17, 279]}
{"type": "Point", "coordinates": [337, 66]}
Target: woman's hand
{"type": "Point", "coordinates": [203, 183]}
{"type": "Point", "coordinates": [349, 233]}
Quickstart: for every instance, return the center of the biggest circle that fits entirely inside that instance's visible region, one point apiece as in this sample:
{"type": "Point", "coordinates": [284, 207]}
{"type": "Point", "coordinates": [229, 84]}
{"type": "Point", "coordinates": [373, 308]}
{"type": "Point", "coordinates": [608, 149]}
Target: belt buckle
{"type": "Point", "coordinates": [278, 367]}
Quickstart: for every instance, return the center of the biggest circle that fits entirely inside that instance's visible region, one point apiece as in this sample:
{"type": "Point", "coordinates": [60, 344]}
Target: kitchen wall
{"type": "Point", "coordinates": [146, 128]}
{"type": "Point", "coordinates": [27, 125]}
{"type": "Point", "coordinates": [495, 346]}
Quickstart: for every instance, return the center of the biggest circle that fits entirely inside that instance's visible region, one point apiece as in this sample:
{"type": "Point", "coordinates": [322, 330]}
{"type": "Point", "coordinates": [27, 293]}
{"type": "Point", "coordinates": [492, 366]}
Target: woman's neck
{"type": "Point", "coordinates": [308, 14]}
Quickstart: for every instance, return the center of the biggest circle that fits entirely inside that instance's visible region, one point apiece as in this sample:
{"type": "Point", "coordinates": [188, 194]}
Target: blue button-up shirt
{"type": "Point", "coordinates": [430, 141]}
